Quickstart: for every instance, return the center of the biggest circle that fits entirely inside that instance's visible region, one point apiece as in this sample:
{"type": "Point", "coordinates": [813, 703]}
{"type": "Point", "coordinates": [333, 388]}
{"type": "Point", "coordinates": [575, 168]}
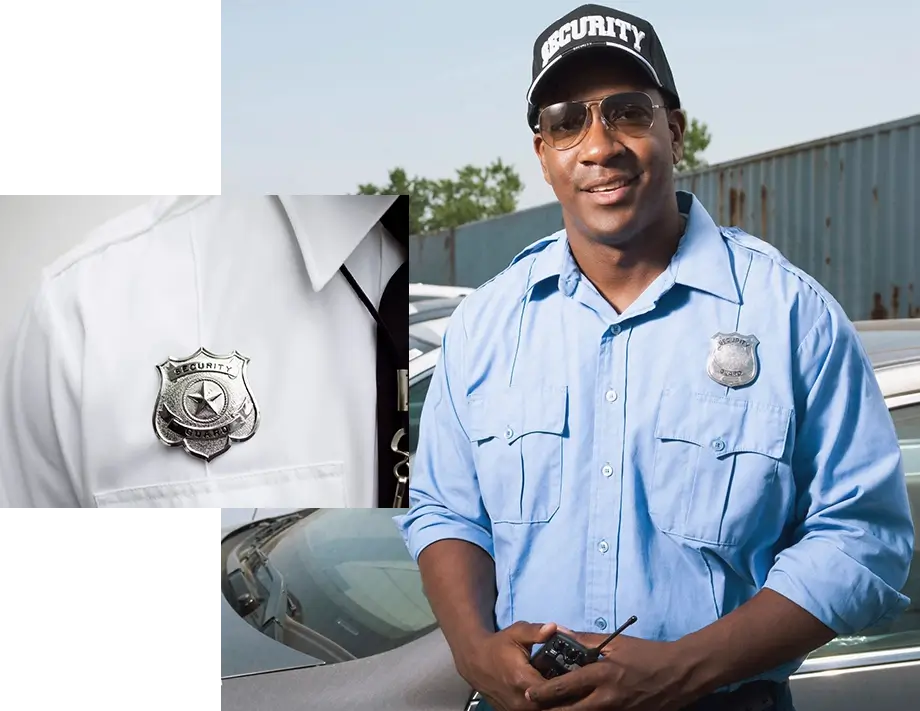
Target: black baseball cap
{"type": "Point", "coordinates": [596, 26]}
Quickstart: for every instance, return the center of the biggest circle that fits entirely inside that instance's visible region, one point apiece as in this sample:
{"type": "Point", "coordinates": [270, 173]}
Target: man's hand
{"type": "Point", "coordinates": [498, 666]}
{"type": "Point", "coordinates": [632, 675]}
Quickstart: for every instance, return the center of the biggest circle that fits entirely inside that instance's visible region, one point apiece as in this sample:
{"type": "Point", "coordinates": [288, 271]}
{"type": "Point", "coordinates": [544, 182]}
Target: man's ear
{"type": "Point", "coordinates": [540, 148]}
{"type": "Point", "coordinates": [677, 124]}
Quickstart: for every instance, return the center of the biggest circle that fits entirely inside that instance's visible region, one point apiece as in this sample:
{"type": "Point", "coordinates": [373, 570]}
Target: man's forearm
{"type": "Point", "coordinates": [767, 631]}
{"type": "Point", "coordinates": [459, 581]}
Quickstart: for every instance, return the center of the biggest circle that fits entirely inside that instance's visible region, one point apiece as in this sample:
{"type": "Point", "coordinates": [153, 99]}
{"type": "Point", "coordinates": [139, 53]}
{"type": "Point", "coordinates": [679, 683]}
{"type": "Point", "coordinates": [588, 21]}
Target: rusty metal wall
{"type": "Point", "coordinates": [472, 254]}
{"type": "Point", "coordinates": [846, 209]}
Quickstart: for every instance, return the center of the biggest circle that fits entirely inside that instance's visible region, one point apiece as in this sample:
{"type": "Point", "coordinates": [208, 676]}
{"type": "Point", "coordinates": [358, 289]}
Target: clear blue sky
{"type": "Point", "coordinates": [321, 96]}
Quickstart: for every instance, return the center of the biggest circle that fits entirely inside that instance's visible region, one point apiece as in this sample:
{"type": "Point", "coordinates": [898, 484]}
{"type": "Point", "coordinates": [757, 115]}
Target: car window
{"type": "Point", "coordinates": [905, 630]}
{"type": "Point", "coordinates": [355, 588]}
{"type": "Point", "coordinates": [417, 392]}
{"type": "Point", "coordinates": [420, 346]}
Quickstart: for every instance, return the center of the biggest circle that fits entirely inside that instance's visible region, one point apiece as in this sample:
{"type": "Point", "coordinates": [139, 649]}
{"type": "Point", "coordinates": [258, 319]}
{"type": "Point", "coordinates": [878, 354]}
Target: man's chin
{"type": "Point", "coordinates": [610, 226]}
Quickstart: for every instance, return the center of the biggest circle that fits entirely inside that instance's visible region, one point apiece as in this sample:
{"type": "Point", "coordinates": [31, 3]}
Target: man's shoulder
{"type": "Point", "coordinates": [491, 308]}
{"type": "Point", "coordinates": [512, 282]}
{"type": "Point", "coordinates": [115, 238]}
{"type": "Point", "coordinates": [775, 266]}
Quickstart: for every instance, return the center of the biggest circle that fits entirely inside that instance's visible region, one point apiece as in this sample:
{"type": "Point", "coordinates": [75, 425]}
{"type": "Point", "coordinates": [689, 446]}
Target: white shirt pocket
{"type": "Point", "coordinates": [315, 485]}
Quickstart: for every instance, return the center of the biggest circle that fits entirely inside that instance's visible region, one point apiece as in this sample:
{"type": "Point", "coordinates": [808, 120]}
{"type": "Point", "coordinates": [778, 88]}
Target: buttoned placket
{"type": "Point", "coordinates": [607, 480]}
{"type": "Point", "coordinates": [608, 461]}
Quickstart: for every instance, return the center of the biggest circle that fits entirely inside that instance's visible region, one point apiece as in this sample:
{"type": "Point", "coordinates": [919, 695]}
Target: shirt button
{"type": "Point", "coordinates": [509, 433]}
{"type": "Point", "coordinates": [718, 444]}
{"type": "Point", "coordinates": [611, 395]}
{"type": "Point", "coordinates": [607, 470]}
{"type": "Point", "coordinates": [616, 329]}
{"type": "Point", "coordinates": [603, 547]}
{"type": "Point", "coordinates": [600, 623]}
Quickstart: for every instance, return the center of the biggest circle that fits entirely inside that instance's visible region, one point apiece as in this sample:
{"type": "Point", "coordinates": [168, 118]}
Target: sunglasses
{"type": "Point", "coordinates": [565, 124]}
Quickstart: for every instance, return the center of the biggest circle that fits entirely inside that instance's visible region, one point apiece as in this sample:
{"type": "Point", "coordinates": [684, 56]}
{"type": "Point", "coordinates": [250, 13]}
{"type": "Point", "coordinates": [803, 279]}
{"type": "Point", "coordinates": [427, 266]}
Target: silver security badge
{"type": "Point", "coordinates": [204, 403]}
{"type": "Point", "coordinates": [732, 359]}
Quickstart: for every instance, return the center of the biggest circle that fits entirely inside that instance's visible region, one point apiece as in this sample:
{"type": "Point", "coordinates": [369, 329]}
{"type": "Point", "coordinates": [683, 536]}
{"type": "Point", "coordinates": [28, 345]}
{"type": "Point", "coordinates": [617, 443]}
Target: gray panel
{"type": "Point", "coordinates": [894, 688]}
{"type": "Point", "coordinates": [846, 209]}
{"type": "Point", "coordinates": [417, 677]}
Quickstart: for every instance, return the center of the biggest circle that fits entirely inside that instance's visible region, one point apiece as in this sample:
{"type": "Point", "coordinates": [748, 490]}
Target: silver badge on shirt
{"type": "Point", "coordinates": [732, 359]}
{"type": "Point", "coordinates": [204, 403]}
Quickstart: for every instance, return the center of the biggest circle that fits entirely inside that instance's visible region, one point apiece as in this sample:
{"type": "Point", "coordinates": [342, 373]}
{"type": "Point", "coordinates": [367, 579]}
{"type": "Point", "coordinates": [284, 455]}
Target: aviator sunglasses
{"type": "Point", "coordinates": [565, 124]}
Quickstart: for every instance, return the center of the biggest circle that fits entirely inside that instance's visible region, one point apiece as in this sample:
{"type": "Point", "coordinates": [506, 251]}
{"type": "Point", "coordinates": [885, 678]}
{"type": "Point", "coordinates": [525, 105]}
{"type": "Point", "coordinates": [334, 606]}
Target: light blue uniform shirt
{"type": "Point", "coordinates": [608, 475]}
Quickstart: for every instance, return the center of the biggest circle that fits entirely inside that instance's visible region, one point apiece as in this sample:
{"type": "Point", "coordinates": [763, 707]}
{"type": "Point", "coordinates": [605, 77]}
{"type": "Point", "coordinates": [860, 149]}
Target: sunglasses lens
{"type": "Point", "coordinates": [561, 124]}
{"type": "Point", "coordinates": [630, 113]}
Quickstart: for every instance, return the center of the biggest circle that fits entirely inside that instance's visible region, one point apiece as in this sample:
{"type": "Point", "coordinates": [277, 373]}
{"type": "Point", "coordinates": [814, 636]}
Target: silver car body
{"type": "Point", "coordinates": [420, 292]}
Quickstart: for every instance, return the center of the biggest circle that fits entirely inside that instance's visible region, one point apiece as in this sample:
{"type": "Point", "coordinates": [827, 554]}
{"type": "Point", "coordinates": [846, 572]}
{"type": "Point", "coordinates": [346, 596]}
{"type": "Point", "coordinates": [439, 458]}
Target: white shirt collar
{"type": "Point", "coordinates": [330, 227]}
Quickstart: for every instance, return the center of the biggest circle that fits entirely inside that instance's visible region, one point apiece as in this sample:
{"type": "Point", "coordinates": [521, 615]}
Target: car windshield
{"type": "Point", "coordinates": [432, 309]}
{"type": "Point", "coordinates": [354, 589]}
{"type": "Point", "coordinates": [423, 338]}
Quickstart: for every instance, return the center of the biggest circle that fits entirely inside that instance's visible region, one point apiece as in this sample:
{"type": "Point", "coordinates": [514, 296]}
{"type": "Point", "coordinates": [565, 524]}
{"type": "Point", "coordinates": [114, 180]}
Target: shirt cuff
{"type": "Point", "coordinates": [421, 530]}
{"type": "Point", "coordinates": [836, 589]}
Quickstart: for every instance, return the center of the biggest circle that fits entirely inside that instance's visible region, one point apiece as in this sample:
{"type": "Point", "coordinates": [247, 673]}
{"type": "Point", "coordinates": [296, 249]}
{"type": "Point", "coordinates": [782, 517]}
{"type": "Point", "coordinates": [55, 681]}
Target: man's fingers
{"type": "Point", "coordinates": [526, 677]}
{"type": "Point", "coordinates": [568, 687]}
{"type": "Point", "coordinates": [530, 633]}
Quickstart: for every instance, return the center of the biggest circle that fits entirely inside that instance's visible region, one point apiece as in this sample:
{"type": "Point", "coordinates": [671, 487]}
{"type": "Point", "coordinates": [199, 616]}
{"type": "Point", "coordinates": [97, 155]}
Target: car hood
{"type": "Point", "coordinates": [419, 676]}
{"type": "Point", "coordinates": [246, 651]}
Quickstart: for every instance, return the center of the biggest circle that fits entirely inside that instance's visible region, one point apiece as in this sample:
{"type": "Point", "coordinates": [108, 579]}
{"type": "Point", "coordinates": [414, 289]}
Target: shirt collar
{"type": "Point", "coordinates": [700, 262]}
{"type": "Point", "coordinates": [329, 228]}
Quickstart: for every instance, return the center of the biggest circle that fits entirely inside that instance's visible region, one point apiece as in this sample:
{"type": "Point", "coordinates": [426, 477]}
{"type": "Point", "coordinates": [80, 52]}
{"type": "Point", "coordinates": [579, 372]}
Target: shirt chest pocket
{"type": "Point", "coordinates": [517, 435]}
{"type": "Point", "coordinates": [715, 467]}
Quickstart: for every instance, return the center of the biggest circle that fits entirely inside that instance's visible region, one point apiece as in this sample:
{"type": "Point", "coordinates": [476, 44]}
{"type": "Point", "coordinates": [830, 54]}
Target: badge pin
{"type": "Point", "coordinates": [204, 403]}
{"type": "Point", "coordinates": [732, 359]}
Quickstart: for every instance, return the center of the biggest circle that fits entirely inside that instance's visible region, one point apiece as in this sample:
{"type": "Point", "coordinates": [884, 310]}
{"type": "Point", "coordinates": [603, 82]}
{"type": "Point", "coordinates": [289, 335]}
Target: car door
{"type": "Point", "coordinates": [878, 669]}
{"type": "Point", "coordinates": [420, 371]}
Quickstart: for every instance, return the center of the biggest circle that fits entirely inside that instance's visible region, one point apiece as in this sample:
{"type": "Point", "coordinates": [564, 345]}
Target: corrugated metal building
{"type": "Point", "coordinates": [846, 209]}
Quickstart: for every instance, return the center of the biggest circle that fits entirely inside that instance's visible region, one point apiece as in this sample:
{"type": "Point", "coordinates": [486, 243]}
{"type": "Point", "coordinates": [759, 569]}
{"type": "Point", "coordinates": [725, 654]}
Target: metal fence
{"type": "Point", "coordinates": [846, 209]}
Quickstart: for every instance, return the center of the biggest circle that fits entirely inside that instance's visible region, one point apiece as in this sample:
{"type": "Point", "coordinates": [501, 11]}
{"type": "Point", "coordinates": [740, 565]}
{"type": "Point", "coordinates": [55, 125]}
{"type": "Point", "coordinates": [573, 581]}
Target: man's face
{"type": "Point", "coordinates": [603, 156]}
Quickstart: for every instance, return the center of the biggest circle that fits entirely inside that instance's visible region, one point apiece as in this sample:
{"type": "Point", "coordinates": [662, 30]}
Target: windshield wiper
{"type": "Point", "coordinates": [275, 606]}
{"type": "Point", "coordinates": [270, 527]}
{"type": "Point", "coordinates": [265, 603]}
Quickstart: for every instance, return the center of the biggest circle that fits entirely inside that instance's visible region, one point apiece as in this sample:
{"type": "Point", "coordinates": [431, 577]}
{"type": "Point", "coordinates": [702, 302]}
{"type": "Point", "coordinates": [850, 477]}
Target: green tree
{"type": "Point", "coordinates": [696, 140]}
{"type": "Point", "coordinates": [475, 193]}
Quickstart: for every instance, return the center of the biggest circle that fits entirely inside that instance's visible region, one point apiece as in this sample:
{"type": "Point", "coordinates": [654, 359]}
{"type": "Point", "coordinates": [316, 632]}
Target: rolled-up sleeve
{"type": "Point", "coordinates": [851, 550]}
{"type": "Point", "coordinates": [444, 498]}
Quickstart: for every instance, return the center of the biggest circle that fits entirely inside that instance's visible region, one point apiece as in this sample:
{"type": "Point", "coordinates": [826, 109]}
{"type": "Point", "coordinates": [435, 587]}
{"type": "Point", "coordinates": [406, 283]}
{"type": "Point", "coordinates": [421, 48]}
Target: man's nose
{"type": "Point", "coordinates": [600, 144]}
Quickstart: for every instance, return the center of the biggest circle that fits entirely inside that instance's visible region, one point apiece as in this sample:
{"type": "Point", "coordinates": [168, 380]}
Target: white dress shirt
{"type": "Point", "coordinates": [257, 276]}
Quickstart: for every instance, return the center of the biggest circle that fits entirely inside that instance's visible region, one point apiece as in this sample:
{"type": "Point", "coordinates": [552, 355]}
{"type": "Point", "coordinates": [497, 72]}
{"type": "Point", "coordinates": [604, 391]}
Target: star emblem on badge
{"type": "Point", "coordinates": [208, 399]}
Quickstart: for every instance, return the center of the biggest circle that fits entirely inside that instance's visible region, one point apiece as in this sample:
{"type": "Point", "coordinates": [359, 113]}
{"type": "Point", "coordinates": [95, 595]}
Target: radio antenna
{"type": "Point", "coordinates": [595, 652]}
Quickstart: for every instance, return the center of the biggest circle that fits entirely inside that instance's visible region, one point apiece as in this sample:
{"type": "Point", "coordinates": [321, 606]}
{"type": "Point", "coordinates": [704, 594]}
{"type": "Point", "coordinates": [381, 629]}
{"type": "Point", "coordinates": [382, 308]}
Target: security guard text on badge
{"type": "Point", "coordinates": [732, 359]}
{"type": "Point", "coordinates": [205, 403]}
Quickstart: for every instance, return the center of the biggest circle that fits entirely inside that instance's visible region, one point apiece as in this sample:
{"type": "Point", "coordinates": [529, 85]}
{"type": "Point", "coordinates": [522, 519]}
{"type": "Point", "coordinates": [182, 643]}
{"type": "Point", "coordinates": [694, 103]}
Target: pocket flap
{"type": "Point", "coordinates": [516, 411]}
{"type": "Point", "coordinates": [725, 425]}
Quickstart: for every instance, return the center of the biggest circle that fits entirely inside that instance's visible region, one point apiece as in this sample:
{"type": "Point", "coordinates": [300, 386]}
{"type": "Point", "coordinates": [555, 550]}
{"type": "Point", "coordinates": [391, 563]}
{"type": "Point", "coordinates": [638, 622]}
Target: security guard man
{"type": "Point", "coordinates": [214, 351]}
{"type": "Point", "coordinates": [646, 414]}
